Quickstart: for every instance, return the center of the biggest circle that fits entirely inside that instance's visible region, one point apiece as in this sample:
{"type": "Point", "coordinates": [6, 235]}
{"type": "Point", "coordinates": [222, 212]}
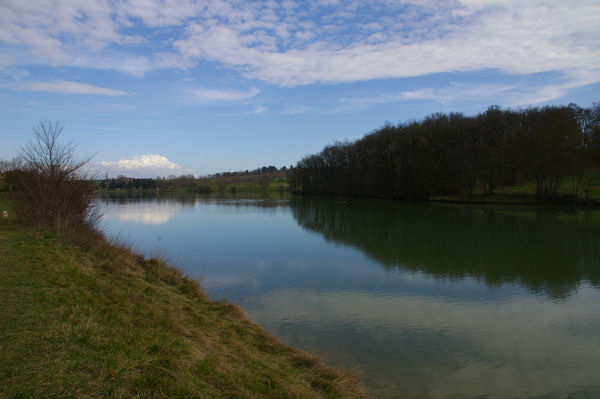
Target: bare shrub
{"type": "Point", "coordinates": [51, 189]}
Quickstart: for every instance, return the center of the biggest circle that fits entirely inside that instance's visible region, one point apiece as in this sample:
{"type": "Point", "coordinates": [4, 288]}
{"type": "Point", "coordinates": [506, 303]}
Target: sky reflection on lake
{"type": "Point", "coordinates": [152, 213]}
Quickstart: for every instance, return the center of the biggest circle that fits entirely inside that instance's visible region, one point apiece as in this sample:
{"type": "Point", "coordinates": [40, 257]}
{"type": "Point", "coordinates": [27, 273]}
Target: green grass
{"type": "Point", "coordinates": [105, 322]}
{"type": "Point", "coordinates": [524, 193]}
{"type": "Point", "coordinates": [249, 186]}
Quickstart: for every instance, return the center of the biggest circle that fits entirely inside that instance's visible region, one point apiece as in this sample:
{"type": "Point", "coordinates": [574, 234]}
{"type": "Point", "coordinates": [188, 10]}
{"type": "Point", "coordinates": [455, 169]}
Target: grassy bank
{"type": "Point", "coordinates": [588, 193]}
{"type": "Point", "coordinates": [104, 322]}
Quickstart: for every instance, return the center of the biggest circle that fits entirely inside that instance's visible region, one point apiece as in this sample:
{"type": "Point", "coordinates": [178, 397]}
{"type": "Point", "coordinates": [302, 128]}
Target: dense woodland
{"type": "Point", "coordinates": [457, 154]}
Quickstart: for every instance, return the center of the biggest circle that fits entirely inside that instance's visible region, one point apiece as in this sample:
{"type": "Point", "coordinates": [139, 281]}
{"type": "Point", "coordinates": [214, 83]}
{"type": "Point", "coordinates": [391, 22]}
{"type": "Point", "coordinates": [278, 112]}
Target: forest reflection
{"type": "Point", "coordinates": [546, 250]}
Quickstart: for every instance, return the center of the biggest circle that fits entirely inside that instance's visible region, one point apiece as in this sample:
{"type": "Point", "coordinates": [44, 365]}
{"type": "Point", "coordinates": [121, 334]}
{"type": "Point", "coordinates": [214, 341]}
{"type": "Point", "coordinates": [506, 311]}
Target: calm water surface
{"type": "Point", "coordinates": [422, 300]}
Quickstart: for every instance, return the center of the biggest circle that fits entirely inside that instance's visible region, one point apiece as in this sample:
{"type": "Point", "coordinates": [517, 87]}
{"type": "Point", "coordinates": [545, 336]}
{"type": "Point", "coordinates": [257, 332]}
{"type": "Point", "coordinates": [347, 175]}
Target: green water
{"type": "Point", "coordinates": [421, 300]}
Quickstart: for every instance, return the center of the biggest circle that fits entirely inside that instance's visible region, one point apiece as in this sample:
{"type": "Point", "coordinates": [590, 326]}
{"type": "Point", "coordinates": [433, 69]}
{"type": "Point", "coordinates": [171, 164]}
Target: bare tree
{"type": "Point", "coordinates": [52, 188]}
{"type": "Point", "coordinates": [47, 156]}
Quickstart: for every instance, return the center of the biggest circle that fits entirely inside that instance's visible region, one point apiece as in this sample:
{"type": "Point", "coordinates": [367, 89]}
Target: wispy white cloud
{"type": "Point", "coordinates": [218, 95]}
{"type": "Point", "coordinates": [289, 44]}
{"type": "Point", "coordinates": [66, 87]}
{"type": "Point", "coordinates": [297, 109]}
{"type": "Point", "coordinates": [134, 65]}
{"type": "Point", "coordinates": [536, 94]}
{"type": "Point", "coordinates": [359, 103]}
{"type": "Point", "coordinates": [6, 59]}
{"type": "Point", "coordinates": [259, 109]}
{"type": "Point", "coordinates": [150, 165]}
{"type": "Point", "coordinates": [518, 38]}
{"type": "Point", "coordinates": [484, 93]}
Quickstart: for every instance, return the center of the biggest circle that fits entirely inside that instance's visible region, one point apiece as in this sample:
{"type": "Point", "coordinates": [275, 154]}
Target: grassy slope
{"type": "Point", "coordinates": [108, 323]}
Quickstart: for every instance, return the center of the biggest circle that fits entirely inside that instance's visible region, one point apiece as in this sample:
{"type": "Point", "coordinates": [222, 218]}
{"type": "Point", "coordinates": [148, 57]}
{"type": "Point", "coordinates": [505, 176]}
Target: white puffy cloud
{"type": "Point", "coordinates": [140, 166]}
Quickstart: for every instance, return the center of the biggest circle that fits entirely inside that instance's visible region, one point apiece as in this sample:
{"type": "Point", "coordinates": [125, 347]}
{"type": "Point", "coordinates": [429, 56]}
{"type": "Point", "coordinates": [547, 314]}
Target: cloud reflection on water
{"type": "Point", "coordinates": [424, 346]}
{"type": "Point", "coordinates": [149, 213]}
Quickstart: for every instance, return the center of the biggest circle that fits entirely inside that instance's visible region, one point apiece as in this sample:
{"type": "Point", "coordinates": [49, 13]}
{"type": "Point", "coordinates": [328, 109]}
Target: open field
{"type": "Point", "coordinates": [524, 193]}
{"type": "Point", "coordinates": [241, 185]}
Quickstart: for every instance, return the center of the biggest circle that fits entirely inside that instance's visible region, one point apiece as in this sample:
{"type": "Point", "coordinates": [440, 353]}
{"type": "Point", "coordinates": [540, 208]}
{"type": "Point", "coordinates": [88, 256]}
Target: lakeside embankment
{"type": "Point", "coordinates": [105, 322]}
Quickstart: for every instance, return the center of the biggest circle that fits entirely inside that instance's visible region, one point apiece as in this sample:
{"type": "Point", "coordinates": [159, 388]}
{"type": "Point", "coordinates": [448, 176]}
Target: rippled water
{"type": "Point", "coordinates": [421, 300]}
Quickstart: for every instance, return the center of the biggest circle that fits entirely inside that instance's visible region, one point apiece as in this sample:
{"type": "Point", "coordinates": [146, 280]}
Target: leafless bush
{"type": "Point", "coordinates": [51, 189]}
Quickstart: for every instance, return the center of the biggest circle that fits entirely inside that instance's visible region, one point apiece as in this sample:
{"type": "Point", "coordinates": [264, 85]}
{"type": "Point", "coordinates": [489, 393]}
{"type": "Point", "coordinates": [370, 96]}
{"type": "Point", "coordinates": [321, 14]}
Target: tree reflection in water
{"type": "Point", "coordinates": [545, 250]}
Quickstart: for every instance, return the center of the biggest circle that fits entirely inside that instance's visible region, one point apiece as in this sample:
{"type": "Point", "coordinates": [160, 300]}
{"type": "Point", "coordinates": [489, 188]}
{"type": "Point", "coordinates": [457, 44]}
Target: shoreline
{"type": "Point", "coordinates": [103, 321]}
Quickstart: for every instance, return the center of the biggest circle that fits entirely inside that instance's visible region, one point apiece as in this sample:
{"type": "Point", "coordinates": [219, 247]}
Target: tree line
{"type": "Point", "coordinates": [260, 176]}
{"type": "Point", "coordinates": [452, 154]}
{"type": "Point", "coordinates": [171, 183]}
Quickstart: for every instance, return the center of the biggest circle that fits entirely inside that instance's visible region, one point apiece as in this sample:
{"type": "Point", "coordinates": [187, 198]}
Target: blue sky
{"type": "Point", "coordinates": [159, 87]}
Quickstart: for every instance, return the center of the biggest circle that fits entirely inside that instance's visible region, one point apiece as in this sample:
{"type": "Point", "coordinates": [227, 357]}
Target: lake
{"type": "Point", "coordinates": [421, 300]}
